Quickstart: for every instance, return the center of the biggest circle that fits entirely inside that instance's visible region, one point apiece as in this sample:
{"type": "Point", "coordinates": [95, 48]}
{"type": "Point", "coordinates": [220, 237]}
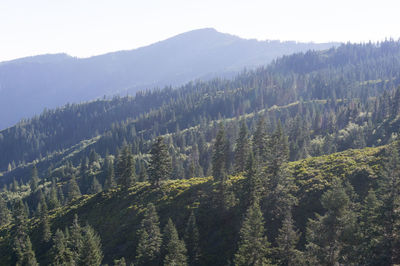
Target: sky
{"type": "Point", "coordinates": [84, 28]}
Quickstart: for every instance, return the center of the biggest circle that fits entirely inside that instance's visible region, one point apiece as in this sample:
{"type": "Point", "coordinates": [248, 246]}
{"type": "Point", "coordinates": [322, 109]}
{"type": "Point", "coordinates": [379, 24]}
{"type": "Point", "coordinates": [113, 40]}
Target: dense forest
{"type": "Point", "coordinates": [295, 163]}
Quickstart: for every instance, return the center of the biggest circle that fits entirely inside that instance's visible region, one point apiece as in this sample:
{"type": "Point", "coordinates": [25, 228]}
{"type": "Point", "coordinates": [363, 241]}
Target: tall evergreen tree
{"type": "Point", "coordinates": [253, 245]}
{"type": "Point", "coordinates": [160, 162]}
{"type": "Point", "coordinates": [370, 248]}
{"type": "Point", "coordinates": [389, 193]}
{"type": "Point", "coordinates": [242, 148]}
{"type": "Point", "coordinates": [148, 250]}
{"type": "Point", "coordinates": [126, 173]}
{"type": "Point", "coordinates": [24, 252]}
{"type": "Point", "coordinates": [91, 253]}
{"type": "Point", "coordinates": [219, 155]}
{"type": "Point", "coordinates": [260, 141]}
{"type": "Point", "coordinates": [110, 175]}
{"type": "Point", "coordinates": [174, 248]}
{"type": "Point", "coordinates": [75, 239]}
{"type": "Point", "coordinates": [61, 254]}
{"type": "Point", "coordinates": [5, 214]}
{"type": "Point", "coordinates": [287, 240]}
{"type": "Point", "coordinates": [73, 189]}
{"type": "Point", "coordinates": [325, 234]}
{"type": "Point", "coordinates": [192, 240]}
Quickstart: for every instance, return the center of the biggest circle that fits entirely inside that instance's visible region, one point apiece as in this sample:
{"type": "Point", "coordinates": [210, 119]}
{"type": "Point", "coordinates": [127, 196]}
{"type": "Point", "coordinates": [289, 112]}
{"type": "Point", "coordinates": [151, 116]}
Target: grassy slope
{"type": "Point", "coordinates": [116, 214]}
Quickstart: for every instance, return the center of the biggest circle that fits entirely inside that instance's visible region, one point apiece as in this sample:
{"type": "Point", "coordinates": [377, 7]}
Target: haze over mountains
{"type": "Point", "coordinates": [28, 85]}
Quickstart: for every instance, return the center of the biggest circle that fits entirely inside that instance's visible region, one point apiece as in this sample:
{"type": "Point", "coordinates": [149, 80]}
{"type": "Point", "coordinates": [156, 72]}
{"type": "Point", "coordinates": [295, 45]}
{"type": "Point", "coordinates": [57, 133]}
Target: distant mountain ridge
{"type": "Point", "coordinates": [28, 85]}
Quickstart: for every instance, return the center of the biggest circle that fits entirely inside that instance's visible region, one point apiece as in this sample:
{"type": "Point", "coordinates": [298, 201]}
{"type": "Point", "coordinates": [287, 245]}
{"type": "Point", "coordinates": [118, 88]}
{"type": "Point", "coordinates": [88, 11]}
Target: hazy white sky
{"type": "Point", "coordinates": [87, 27]}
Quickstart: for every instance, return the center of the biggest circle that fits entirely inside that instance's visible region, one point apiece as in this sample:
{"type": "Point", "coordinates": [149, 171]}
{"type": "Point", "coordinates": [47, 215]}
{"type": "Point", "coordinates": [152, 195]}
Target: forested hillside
{"type": "Point", "coordinates": [28, 85]}
{"type": "Point", "coordinates": [270, 167]}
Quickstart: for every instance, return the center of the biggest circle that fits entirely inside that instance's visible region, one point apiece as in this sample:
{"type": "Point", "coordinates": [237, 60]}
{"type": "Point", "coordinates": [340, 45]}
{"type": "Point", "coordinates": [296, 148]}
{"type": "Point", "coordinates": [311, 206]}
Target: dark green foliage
{"type": "Point", "coordinates": [110, 176]}
{"type": "Point", "coordinates": [242, 148]}
{"type": "Point", "coordinates": [24, 252]}
{"type": "Point", "coordinates": [254, 248]}
{"type": "Point", "coordinates": [326, 234]}
{"type": "Point", "coordinates": [148, 249]}
{"type": "Point", "coordinates": [61, 254]}
{"type": "Point", "coordinates": [73, 189]}
{"type": "Point", "coordinates": [95, 187]}
{"type": "Point", "coordinates": [219, 156]}
{"type": "Point", "coordinates": [91, 253]}
{"type": "Point", "coordinates": [287, 241]}
{"type": "Point", "coordinates": [174, 248]}
{"type": "Point", "coordinates": [192, 240]}
{"type": "Point", "coordinates": [160, 162]}
{"type": "Point", "coordinates": [125, 168]}
{"type": "Point", "coordinates": [260, 141]}
{"type": "Point", "coordinates": [5, 215]}
{"type": "Point", "coordinates": [370, 247]}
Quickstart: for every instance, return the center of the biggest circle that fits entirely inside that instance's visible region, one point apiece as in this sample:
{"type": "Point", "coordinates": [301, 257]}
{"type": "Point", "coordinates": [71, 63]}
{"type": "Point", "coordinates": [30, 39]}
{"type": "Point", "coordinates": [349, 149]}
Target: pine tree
{"type": "Point", "coordinates": [160, 162]}
{"type": "Point", "coordinates": [53, 197]}
{"type": "Point", "coordinates": [95, 187]}
{"type": "Point", "coordinates": [260, 142]}
{"type": "Point", "coordinates": [287, 240]}
{"type": "Point", "coordinates": [73, 189]}
{"type": "Point", "coordinates": [325, 233]}
{"type": "Point", "coordinates": [253, 245]}
{"type": "Point", "coordinates": [44, 222]}
{"type": "Point", "coordinates": [126, 173]}
{"type": "Point", "coordinates": [192, 239]}
{"type": "Point", "coordinates": [75, 239]}
{"type": "Point", "coordinates": [174, 248]}
{"type": "Point", "coordinates": [34, 178]}
{"type": "Point", "coordinates": [278, 150]}
{"type": "Point", "coordinates": [110, 176]}
{"type": "Point", "coordinates": [370, 234]}
{"type": "Point", "coordinates": [61, 254]}
{"type": "Point", "coordinates": [5, 214]}
{"type": "Point", "coordinates": [389, 194]}
{"type": "Point", "coordinates": [91, 253]}
{"type": "Point", "coordinates": [242, 148]}
{"type": "Point", "coordinates": [219, 156]}
{"type": "Point", "coordinates": [148, 250]}
{"type": "Point", "coordinates": [23, 249]}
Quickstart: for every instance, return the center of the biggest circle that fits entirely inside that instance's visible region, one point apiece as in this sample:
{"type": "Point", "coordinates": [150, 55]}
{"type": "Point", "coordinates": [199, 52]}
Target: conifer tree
{"type": "Point", "coordinates": [24, 252]}
{"type": "Point", "coordinates": [110, 176]}
{"type": "Point", "coordinates": [174, 248]}
{"type": "Point", "coordinates": [126, 173]}
{"type": "Point", "coordinates": [192, 239]}
{"type": "Point", "coordinates": [325, 233]}
{"type": "Point", "coordinates": [389, 194]}
{"type": "Point", "coordinates": [91, 253]}
{"type": "Point", "coordinates": [5, 214]}
{"type": "Point", "coordinates": [287, 240]}
{"type": "Point", "coordinates": [278, 150]}
{"type": "Point", "coordinates": [75, 239]}
{"type": "Point", "coordinates": [53, 197]}
{"type": "Point", "coordinates": [242, 148]}
{"type": "Point", "coordinates": [95, 187]}
{"type": "Point", "coordinates": [34, 178]}
{"type": "Point", "coordinates": [219, 155]}
{"type": "Point", "coordinates": [73, 189]}
{"type": "Point", "coordinates": [60, 252]}
{"type": "Point", "coordinates": [148, 250]}
{"type": "Point", "coordinates": [260, 142]}
{"type": "Point", "coordinates": [253, 248]}
{"type": "Point", "coordinates": [160, 162]}
{"type": "Point", "coordinates": [370, 234]}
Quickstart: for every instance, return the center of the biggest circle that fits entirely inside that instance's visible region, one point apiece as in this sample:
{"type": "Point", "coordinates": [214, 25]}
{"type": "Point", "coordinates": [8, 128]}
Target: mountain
{"type": "Point", "coordinates": [29, 85]}
{"type": "Point", "coordinates": [287, 162]}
